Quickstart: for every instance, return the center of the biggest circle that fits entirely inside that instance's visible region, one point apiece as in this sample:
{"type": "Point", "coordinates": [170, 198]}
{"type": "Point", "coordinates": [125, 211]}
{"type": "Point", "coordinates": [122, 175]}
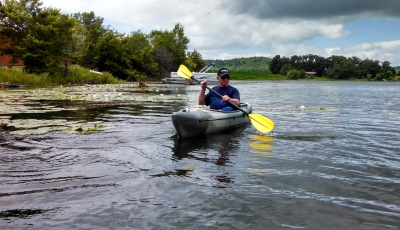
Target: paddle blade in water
{"type": "Point", "coordinates": [261, 123]}
{"type": "Point", "coordinates": [184, 72]}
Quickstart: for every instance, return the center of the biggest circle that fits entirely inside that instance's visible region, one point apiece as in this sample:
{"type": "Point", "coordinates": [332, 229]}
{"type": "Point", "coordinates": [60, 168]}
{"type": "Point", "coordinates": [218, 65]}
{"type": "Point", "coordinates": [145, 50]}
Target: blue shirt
{"type": "Point", "coordinates": [215, 102]}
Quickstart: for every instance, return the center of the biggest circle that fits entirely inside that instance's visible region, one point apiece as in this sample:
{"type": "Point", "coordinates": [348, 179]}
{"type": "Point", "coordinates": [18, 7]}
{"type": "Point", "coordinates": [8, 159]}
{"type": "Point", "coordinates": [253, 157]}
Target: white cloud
{"type": "Point", "coordinates": [219, 32]}
{"type": "Point", "coordinates": [383, 51]}
{"type": "Point", "coordinates": [332, 51]}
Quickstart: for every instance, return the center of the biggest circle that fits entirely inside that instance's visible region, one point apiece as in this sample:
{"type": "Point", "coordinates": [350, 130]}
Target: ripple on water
{"type": "Point", "coordinates": [329, 168]}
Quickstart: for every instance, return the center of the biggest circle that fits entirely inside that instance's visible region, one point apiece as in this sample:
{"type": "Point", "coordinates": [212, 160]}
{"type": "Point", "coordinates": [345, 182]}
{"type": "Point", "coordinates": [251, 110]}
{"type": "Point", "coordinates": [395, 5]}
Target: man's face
{"type": "Point", "coordinates": [223, 80]}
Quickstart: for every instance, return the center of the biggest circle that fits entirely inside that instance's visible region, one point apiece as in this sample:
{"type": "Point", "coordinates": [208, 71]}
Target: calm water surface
{"type": "Point", "coordinates": [332, 162]}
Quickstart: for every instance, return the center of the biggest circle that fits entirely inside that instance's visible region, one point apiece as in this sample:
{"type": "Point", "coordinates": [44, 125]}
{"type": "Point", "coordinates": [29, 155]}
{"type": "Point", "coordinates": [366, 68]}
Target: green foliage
{"type": "Point", "coordinates": [397, 70]}
{"type": "Point", "coordinates": [249, 64]}
{"type": "Point", "coordinates": [140, 54]}
{"type": "Point", "coordinates": [86, 33]}
{"type": "Point", "coordinates": [76, 75]}
{"type": "Point", "coordinates": [43, 39]}
{"type": "Point", "coordinates": [385, 75]}
{"type": "Point", "coordinates": [80, 75]}
{"type": "Point", "coordinates": [195, 61]}
{"type": "Point", "coordinates": [334, 67]}
{"type": "Point", "coordinates": [277, 63]}
{"type": "Point", "coordinates": [169, 49]}
{"type": "Point", "coordinates": [295, 74]}
{"type": "Point", "coordinates": [236, 75]}
{"type": "Point", "coordinates": [285, 69]}
{"type": "Point", "coordinates": [111, 55]}
{"type": "Point", "coordinates": [40, 37]}
{"type": "Point", "coordinates": [17, 76]}
{"type": "Point", "coordinates": [134, 75]}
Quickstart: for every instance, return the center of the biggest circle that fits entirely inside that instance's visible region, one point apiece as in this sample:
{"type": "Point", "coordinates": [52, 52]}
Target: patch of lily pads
{"type": "Point", "coordinates": [391, 115]}
{"type": "Point", "coordinates": [312, 109]}
{"type": "Point", "coordinates": [13, 103]}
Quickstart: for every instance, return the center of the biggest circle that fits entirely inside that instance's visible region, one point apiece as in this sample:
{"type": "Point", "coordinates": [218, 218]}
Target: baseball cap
{"type": "Point", "coordinates": [223, 71]}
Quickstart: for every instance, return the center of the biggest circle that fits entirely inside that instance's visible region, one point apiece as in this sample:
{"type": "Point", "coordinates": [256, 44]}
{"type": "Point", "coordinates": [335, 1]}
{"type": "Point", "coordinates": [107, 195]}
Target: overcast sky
{"type": "Point", "coordinates": [225, 29]}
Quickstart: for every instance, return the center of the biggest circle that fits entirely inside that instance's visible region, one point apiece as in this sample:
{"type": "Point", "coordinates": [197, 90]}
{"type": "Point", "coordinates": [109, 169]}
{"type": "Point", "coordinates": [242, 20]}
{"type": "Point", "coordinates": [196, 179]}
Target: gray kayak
{"type": "Point", "coordinates": [199, 121]}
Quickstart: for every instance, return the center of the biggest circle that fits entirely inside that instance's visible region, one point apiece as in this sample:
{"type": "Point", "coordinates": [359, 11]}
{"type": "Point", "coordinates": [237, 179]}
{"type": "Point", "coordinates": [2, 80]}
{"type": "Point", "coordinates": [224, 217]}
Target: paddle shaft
{"type": "Point", "coordinates": [231, 103]}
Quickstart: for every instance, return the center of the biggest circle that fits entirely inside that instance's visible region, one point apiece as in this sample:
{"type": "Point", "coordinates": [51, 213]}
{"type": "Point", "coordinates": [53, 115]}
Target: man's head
{"type": "Point", "coordinates": [223, 77]}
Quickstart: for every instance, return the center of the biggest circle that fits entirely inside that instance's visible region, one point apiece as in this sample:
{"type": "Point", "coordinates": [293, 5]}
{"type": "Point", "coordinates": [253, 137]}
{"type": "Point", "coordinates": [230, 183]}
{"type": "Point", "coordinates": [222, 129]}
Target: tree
{"type": "Point", "coordinates": [140, 54]}
{"type": "Point", "coordinates": [164, 60]}
{"type": "Point", "coordinates": [277, 63]}
{"type": "Point", "coordinates": [195, 61]}
{"type": "Point", "coordinates": [170, 48]}
{"type": "Point", "coordinates": [111, 55]}
{"type": "Point", "coordinates": [40, 37]}
{"type": "Point", "coordinates": [285, 69]}
{"type": "Point", "coordinates": [87, 33]}
{"type": "Point", "coordinates": [369, 66]}
{"type": "Point", "coordinates": [386, 66]}
{"type": "Point", "coordinates": [340, 67]}
{"type": "Point", "coordinates": [274, 66]}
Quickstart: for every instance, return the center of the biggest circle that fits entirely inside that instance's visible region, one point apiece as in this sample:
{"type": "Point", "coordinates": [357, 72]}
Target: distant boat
{"type": "Point", "coordinates": [202, 75]}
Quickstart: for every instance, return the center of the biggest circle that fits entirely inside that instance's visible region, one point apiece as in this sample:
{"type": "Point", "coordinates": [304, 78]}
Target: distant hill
{"type": "Point", "coordinates": [397, 68]}
{"type": "Point", "coordinates": [249, 64]}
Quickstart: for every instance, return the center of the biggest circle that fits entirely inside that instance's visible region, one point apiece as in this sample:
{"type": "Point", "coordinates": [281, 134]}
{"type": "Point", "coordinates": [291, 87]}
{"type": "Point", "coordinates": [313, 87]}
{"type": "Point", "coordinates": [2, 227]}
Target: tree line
{"type": "Point", "coordinates": [334, 67]}
{"type": "Point", "coordinates": [43, 37]}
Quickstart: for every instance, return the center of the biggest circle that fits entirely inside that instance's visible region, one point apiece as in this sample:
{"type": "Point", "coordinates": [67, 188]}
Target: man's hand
{"type": "Point", "coordinates": [203, 84]}
{"type": "Point", "coordinates": [226, 98]}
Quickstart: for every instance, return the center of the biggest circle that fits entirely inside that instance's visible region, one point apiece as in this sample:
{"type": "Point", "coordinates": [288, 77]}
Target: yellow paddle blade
{"type": "Point", "coordinates": [261, 123]}
{"type": "Point", "coordinates": [184, 72]}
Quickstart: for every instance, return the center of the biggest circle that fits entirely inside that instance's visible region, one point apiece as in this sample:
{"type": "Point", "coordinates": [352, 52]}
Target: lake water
{"type": "Point", "coordinates": [332, 162]}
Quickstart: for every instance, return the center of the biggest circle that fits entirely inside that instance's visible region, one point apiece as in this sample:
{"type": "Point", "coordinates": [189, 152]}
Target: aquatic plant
{"type": "Point", "coordinates": [18, 107]}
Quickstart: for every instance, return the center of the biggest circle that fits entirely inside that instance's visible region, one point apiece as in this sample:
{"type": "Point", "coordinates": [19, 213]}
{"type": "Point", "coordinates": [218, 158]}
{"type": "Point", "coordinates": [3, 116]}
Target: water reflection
{"type": "Point", "coordinates": [198, 147]}
{"type": "Point", "coordinates": [21, 213]}
{"type": "Point", "coordinates": [211, 148]}
{"type": "Point", "coordinates": [307, 136]}
{"type": "Point", "coordinates": [261, 145]}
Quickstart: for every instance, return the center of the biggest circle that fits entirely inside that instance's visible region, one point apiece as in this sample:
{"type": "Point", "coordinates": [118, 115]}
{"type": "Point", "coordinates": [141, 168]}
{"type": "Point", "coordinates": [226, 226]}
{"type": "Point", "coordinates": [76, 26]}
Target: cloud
{"type": "Point", "coordinates": [221, 29]}
{"type": "Point", "coordinates": [382, 51]}
{"type": "Point", "coordinates": [314, 9]}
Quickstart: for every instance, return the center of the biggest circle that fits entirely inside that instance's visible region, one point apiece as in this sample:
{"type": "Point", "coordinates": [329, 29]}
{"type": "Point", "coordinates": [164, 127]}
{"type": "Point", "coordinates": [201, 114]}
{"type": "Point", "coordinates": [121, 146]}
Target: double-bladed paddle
{"type": "Point", "coordinates": [260, 122]}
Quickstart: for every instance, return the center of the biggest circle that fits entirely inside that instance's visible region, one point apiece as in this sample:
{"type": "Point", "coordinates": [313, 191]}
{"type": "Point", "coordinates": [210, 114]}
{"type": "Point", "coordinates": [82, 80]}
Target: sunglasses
{"type": "Point", "coordinates": [225, 77]}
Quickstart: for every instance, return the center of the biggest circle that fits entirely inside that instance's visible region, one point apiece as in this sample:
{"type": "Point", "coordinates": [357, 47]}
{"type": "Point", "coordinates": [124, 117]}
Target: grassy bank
{"type": "Point", "coordinates": [278, 77]}
{"type": "Point", "coordinates": [76, 75]}
{"type": "Point", "coordinates": [256, 76]}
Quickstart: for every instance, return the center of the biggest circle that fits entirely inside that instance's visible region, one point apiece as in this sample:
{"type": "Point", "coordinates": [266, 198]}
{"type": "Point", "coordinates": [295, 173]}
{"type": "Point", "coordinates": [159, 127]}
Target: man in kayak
{"type": "Point", "coordinates": [228, 92]}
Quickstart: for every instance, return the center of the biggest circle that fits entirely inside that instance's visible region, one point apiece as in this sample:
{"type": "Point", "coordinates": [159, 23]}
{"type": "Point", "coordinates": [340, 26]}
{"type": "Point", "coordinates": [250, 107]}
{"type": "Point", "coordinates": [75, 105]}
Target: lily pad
{"type": "Point", "coordinates": [18, 108]}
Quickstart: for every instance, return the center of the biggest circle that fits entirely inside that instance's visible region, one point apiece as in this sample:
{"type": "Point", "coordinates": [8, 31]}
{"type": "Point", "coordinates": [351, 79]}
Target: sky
{"type": "Point", "coordinates": [226, 29]}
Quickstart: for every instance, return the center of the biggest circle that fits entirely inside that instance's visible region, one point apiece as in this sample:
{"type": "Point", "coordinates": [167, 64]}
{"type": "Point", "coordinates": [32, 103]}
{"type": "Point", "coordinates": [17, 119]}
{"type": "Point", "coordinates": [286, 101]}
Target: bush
{"type": "Point", "coordinates": [80, 75]}
{"type": "Point", "coordinates": [295, 74]}
{"type": "Point", "coordinates": [17, 76]}
{"type": "Point", "coordinates": [135, 75]}
{"type": "Point", "coordinates": [59, 76]}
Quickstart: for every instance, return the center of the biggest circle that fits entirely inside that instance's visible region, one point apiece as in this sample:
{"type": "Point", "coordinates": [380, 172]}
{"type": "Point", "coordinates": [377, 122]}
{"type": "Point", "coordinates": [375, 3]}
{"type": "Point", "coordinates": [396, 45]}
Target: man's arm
{"type": "Point", "coordinates": [202, 94]}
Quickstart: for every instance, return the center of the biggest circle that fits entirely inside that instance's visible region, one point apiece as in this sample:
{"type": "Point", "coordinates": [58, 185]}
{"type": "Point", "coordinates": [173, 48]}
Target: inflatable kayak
{"type": "Point", "coordinates": [200, 120]}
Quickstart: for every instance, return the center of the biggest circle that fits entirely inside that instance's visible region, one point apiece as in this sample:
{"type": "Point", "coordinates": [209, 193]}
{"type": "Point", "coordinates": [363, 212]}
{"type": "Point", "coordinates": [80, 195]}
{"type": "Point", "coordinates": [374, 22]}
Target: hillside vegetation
{"type": "Point", "coordinates": [249, 64]}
